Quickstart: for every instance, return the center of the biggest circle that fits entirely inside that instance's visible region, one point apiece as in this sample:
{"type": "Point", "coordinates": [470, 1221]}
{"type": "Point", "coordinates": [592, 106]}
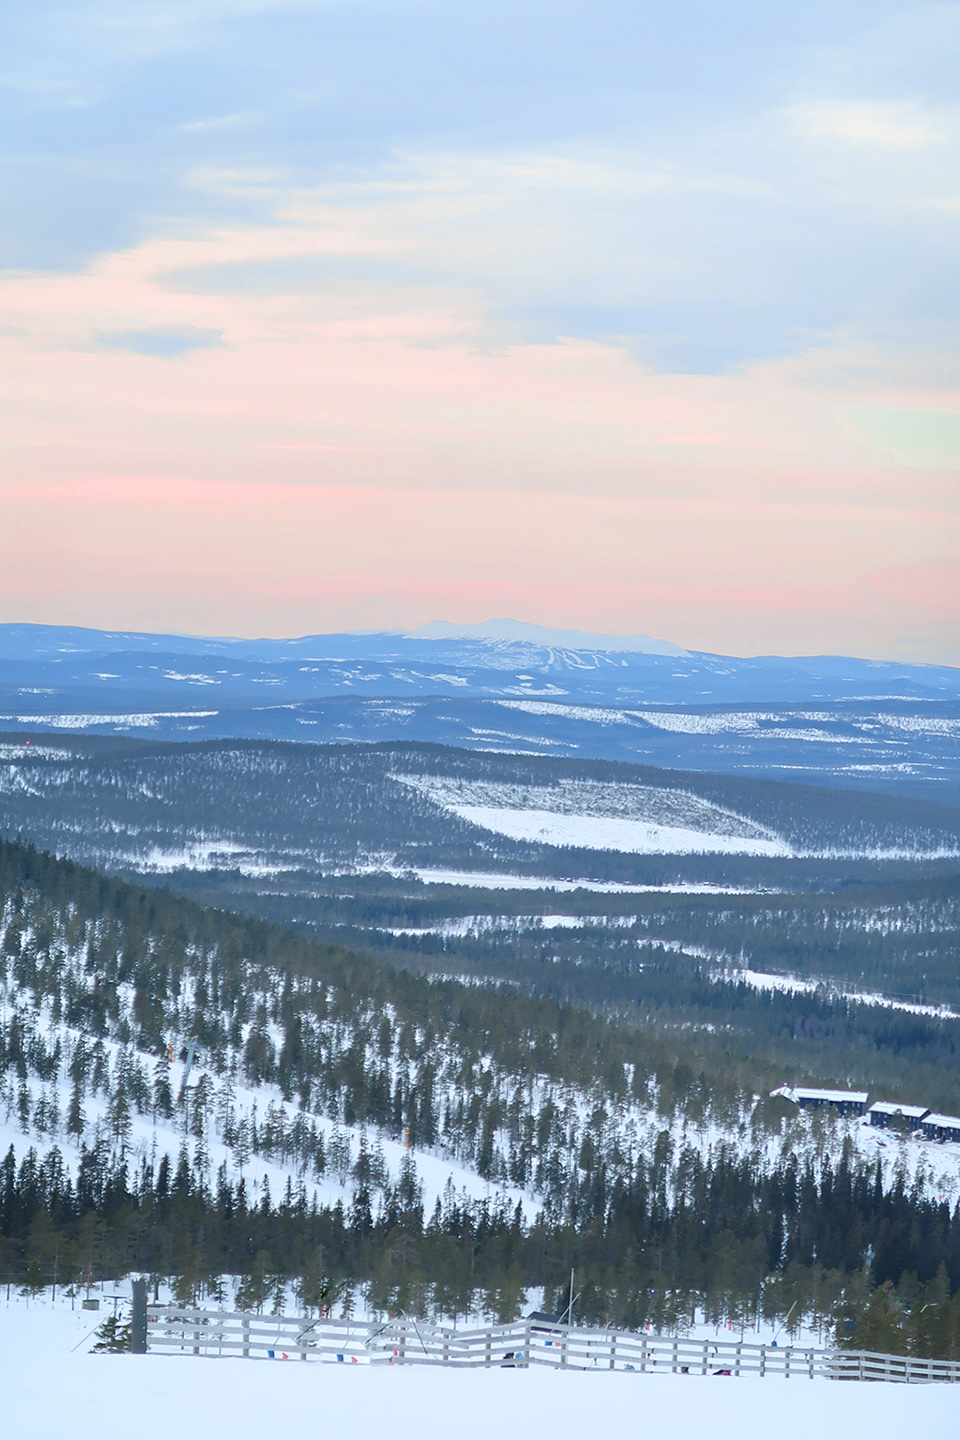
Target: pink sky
{"type": "Point", "coordinates": [361, 457]}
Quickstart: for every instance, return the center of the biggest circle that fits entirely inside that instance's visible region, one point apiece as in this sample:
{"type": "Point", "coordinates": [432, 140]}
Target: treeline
{"type": "Point", "coordinates": [678, 1234]}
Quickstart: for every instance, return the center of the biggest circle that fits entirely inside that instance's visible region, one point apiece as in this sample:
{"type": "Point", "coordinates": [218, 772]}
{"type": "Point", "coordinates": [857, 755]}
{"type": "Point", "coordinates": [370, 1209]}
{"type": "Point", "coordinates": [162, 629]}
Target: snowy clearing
{"type": "Point", "coordinates": [631, 837]}
{"type": "Point", "coordinates": [492, 880]}
{"type": "Point", "coordinates": [140, 720]}
{"type": "Point", "coordinates": [51, 1388]}
{"type": "Point", "coordinates": [795, 984]}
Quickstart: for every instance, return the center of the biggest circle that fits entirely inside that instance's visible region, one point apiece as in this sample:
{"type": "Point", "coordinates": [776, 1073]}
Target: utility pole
{"type": "Point", "coordinates": [569, 1310]}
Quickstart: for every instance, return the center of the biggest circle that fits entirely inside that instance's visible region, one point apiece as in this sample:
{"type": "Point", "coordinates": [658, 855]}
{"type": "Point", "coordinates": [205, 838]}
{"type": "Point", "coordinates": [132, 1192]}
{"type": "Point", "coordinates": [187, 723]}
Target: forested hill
{"type": "Point", "coordinates": [270, 808]}
{"type": "Point", "coordinates": [829, 719]}
{"type": "Point", "coordinates": [763, 931]}
{"type": "Point", "coordinates": [352, 1089]}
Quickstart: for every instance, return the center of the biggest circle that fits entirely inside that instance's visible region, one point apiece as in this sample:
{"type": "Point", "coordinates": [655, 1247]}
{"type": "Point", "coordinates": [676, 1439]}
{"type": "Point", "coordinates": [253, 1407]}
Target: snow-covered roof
{"type": "Point", "coordinates": [890, 1107]}
{"type": "Point", "coordinates": [856, 1097]}
{"type": "Point", "coordinates": [946, 1122]}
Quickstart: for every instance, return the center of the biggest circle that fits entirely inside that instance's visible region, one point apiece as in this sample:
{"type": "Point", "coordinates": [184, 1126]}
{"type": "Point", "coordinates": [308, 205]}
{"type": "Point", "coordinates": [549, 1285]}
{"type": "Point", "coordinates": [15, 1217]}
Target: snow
{"type": "Point", "coordinates": [908, 1112]}
{"type": "Point", "coordinates": [597, 815]}
{"type": "Point", "coordinates": [521, 632]}
{"type": "Point", "coordinates": [151, 1138]}
{"type": "Point", "coordinates": [48, 752]}
{"type": "Point", "coordinates": [207, 855]}
{"type": "Point", "coordinates": [834, 1097]}
{"type": "Point", "coordinates": [591, 832]}
{"type": "Point", "coordinates": [139, 721]}
{"type": "Point", "coordinates": [600, 714]}
{"type": "Point", "coordinates": [53, 1386]}
{"type": "Point", "coordinates": [634, 819]}
{"type": "Point", "coordinates": [795, 984]}
{"type": "Point", "coordinates": [493, 880]}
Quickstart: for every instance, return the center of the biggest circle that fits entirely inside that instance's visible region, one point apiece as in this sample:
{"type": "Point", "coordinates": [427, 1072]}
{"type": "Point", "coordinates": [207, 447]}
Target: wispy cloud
{"type": "Point", "coordinates": [888, 125]}
{"type": "Point", "coordinates": [163, 344]}
{"type": "Point", "coordinates": [698, 262]}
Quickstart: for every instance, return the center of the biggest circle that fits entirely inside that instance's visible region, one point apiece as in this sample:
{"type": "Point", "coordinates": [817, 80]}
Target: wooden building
{"type": "Point", "coordinates": [891, 1115]}
{"type": "Point", "coordinates": [942, 1127]}
{"type": "Point", "coordinates": [845, 1102]}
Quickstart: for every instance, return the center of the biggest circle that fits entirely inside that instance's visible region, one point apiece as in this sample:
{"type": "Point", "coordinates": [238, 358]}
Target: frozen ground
{"type": "Point", "coordinates": [494, 880]}
{"type": "Point", "coordinates": [591, 832]}
{"type": "Point", "coordinates": [634, 819]}
{"type": "Point", "coordinates": [51, 1386]}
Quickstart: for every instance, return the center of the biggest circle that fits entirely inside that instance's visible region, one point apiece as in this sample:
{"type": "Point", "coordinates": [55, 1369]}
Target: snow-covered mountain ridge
{"type": "Point", "coordinates": [835, 720]}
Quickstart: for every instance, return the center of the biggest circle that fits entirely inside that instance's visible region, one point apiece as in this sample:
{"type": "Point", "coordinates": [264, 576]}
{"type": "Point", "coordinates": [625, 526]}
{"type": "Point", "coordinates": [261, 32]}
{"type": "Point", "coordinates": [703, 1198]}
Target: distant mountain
{"type": "Point", "coordinates": [502, 686]}
{"type": "Point", "coordinates": [517, 632]}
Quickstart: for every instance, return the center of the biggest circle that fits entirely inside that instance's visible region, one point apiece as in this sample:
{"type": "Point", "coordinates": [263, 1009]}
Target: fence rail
{"type": "Point", "coordinates": [183, 1330]}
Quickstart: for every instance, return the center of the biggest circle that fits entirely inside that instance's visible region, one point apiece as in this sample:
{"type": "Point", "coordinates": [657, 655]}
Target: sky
{"type": "Point", "coordinates": [624, 317]}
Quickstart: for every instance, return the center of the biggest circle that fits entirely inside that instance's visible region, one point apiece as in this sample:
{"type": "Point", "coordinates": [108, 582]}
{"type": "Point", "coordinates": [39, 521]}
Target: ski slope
{"type": "Point", "coordinates": [52, 1386]}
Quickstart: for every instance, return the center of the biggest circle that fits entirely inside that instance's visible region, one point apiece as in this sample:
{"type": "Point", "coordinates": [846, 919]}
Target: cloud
{"type": "Point", "coordinates": [660, 180]}
{"type": "Point", "coordinates": [164, 344]}
{"type": "Point", "coordinates": [927, 438]}
{"type": "Point", "coordinates": [888, 125]}
{"type": "Point", "coordinates": [690, 253]}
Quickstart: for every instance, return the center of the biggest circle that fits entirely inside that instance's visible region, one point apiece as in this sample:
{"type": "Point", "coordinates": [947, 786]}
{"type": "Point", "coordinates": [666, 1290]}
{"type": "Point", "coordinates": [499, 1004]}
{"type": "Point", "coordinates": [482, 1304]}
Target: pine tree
{"type": "Point", "coordinates": [113, 1337]}
{"type": "Point", "coordinates": [120, 1122]}
{"type": "Point", "coordinates": [76, 1120]}
{"type": "Point", "coordinates": [162, 1093]}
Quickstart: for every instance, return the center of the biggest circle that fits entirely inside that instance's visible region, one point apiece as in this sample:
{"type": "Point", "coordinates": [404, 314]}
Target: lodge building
{"type": "Point", "coordinates": [942, 1127]}
{"type": "Point", "coordinates": [888, 1115]}
{"type": "Point", "coordinates": [882, 1114]}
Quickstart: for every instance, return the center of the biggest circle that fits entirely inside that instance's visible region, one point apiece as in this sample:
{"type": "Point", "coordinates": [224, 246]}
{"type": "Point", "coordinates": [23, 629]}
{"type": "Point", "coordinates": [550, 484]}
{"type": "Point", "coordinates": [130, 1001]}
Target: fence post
{"type": "Point", "coordinates": [736, 1359]}
{"type": "Point", "coordinates": [246, 1336]}
{"type": "Point", "coordinates": [810, 1362]}
{"type": "Point", "coordinates": [613, 1352]}
{"type": "Point", "coordinates": [563, 1347]}
{"type": "Point", "coordinates": [786, 1365]}
{"type": "Point", "coordinates": [527, 1344]}
{"type": "Point", "coordinates": [138, 1329]}
{"type": "Point", "coordinates": [763, 1360]}
{"type": "Point", "coordinates": [676, 1343]}
{"type": "Point", "coordinates": [703, 1362]}
{"type": "Point", "coordinates": [643, 1352]}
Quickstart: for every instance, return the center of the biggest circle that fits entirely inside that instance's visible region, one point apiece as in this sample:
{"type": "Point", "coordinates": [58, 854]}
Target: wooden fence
{"type": "Point", "coordinates": [176, 1329]}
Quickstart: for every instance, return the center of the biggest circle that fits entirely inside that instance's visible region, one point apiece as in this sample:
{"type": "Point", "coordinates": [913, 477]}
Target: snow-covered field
{"type": "Point", "coordinates": [495, 880]}
{"type": "Point", "coordinates": [630, 837]}
{"type": "Point", "coordinates": [51, 1386]}
{"type": "Point", "coordinates": [634, 819]}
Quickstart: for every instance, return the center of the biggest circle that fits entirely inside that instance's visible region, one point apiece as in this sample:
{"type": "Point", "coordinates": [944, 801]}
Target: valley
{"type": "Point", "coordinates": [334, 1015]}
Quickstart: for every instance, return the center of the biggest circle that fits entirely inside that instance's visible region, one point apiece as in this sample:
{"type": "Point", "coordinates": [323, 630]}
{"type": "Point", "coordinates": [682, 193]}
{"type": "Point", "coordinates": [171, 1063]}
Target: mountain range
{"type": "Point", "coordinates": [830, 720]}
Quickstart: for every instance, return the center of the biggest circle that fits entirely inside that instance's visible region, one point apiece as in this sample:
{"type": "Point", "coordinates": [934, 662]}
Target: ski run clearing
{"type": "Point", "coordinates": [631, 819]}
{"type": "Point", "coordinates": [52, 1386]}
